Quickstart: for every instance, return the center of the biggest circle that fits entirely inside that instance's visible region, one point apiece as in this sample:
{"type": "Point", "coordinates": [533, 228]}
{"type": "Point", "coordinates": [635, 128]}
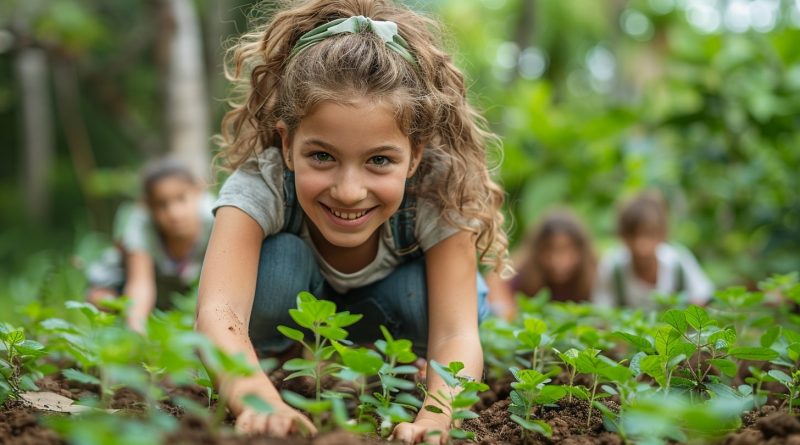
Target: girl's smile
{"type": "Point", "coordinates": [351, 162]}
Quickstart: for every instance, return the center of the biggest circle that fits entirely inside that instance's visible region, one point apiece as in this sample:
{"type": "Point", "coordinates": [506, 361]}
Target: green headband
{"type": "Point", "coordinates": [386, 30]}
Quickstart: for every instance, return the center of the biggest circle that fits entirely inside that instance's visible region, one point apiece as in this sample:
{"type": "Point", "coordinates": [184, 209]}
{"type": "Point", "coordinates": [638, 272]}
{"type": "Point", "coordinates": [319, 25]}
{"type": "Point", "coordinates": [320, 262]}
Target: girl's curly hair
{"type": "Point", "coordinates": [429, 101]}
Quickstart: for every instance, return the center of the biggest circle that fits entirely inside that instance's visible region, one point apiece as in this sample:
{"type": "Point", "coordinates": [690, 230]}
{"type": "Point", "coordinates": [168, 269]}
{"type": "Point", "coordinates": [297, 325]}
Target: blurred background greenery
{"type": "Point", "coordinates": [594, 100]}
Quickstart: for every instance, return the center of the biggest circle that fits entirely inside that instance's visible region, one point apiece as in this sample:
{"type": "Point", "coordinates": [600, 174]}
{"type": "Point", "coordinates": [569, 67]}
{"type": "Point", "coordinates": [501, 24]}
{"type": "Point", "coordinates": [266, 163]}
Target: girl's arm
{"type": "Point", "coordinates": [226, 293]}
{"type": "Point", "coordinates": [140, 287]}
{"type": "Point", "coordinates": [452, 326]}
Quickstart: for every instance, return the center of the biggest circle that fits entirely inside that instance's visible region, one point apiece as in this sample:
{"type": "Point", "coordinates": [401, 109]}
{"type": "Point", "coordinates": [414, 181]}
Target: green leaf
{"type": "Point", "coordinates": [257, 404]}
{"type": "Point", "coordinates": [780, 376]}
{"type": "Point", "coordinates": [444, 373]}
{"type": "Point", "coordinates": [460, 434]}
{"type": "Point", "coordinates": [725, 366]}
{"type": "Point", "coordinates": [465, 399]}
{"type": "Point", "coordinates": [81, 377]}
{"type": "Point", "coordinates": [333, 333]}
{"type": "Point", "coordinates": [641, 343]}
{"type": "Point", "coordinates": [301, 318]}
{"type": "Point", "coordinates": [433, 409]}
{"type": "Point", "coordinates": [675, 318]}
{"type": "Point", "coordinates": [769, 337]}
{"type": "Point", "coordinates": [298, 364]}
{"type": "Point", "coordinates": [363, 361]}
{"type": "Point", "coordinates": [292, 333]}
{"type": "Point", "coordinates": [465, 415]}
{"type": "Point", "coordinates": [550, 394]}
{"type": "Point", "coordinates": [536, 426]}
{"type": "Point", "coordinates": [310, 405]}
{"type": "Point", "coordinates": [753, 353]}
{"type": "Point", "coordinates": [698, 318]}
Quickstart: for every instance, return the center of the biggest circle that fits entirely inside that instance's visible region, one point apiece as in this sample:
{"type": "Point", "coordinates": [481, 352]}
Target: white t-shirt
{"type": "Point", "coordinates": [637, 293]}
{"type": "Point", "coordinates": [256, 188]}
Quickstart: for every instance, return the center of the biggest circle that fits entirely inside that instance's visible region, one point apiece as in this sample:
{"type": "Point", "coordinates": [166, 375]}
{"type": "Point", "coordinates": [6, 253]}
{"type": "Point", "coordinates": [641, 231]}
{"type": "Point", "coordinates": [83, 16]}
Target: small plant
{"type": "Point", "coordinates": [533, 340]}
{"type": "Point", "coordinates": [692, 345]}
{"type": "Point", "coordinates": [326, 325]}
{"type": "Point", "coordinates": [791, 382]}
{"type": "Point", "coordinates": [591, 362]}
{"type": "Point", "coordinates": [18, 366]}
{"type": "Point", "coordinates": [530, 391]}
{"type": "Point", "coordinates": [393, 405]}
{"type": "Point", "coordinates": [461, 395]}
{"type": "Point", "coordinates": [569, 357]}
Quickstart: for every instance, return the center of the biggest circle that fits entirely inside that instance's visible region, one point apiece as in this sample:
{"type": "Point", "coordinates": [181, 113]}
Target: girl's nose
{"type": "Point", "coordinates": [349, 189]}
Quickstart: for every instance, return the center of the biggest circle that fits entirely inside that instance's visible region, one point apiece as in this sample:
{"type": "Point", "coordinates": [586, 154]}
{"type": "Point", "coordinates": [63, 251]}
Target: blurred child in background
{"type": "Point", "coordinates": [556, 255]}
{"type": "Point", "coordinates": [646, 263]}
{"type": "Point", "coordinates": [159, 242]}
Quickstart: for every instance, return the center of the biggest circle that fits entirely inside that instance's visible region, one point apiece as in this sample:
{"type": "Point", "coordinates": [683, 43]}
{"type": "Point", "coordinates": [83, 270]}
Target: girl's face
{"type": "Point", "coordinates": [174, 205]}
{"type": "Point", "coordinates": [560, 258]}
{"type": "Point", "coordinates": [351, 162]}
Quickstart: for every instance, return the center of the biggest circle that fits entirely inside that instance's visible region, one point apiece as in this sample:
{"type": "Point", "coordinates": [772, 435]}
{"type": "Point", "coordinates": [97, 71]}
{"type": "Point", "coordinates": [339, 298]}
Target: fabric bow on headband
{"type": "Point", "coordinates": [386, 30]}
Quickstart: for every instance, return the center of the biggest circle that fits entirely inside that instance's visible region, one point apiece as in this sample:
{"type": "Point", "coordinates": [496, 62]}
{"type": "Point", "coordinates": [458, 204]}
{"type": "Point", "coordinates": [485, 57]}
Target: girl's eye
{"type": "Point", "coordinates": [380, 161]}
{"type": "Point", "coordinates": [321, 156]}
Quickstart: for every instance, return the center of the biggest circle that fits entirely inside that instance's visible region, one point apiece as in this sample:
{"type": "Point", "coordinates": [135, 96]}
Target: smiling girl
{"type": "Point", "coordinates": [359, 175]}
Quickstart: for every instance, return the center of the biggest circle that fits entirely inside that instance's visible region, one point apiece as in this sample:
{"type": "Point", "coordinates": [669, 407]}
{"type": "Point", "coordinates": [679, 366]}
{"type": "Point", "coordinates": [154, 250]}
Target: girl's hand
{"type": "Point", "coordinates": [283, 421]}
{"type": "Point", "coordinates": [417, 432]}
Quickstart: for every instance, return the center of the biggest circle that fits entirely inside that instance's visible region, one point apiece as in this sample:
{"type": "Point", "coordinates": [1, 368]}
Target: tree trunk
{"type": "Point", "coordinates": [187, 110]}
{"type": "Point", "coordinates": [36, 131]}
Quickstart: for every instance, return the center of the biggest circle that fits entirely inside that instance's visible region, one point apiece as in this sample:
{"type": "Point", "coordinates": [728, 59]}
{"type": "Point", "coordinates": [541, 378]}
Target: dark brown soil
{"type": "Point", "coordinates": [568, 420]}
{"type": "Point", "coordinates": [19, 424]}
{"type": "Point", "coordinates": [767, 426]}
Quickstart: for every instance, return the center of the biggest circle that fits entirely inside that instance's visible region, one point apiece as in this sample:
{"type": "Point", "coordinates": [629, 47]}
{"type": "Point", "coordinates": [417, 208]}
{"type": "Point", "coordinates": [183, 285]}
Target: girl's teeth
{"type": "Point", "coordinates": [349, 216]}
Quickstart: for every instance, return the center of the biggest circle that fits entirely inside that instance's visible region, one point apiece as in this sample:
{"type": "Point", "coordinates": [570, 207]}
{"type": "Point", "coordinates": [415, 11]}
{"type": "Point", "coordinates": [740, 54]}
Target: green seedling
{"type": "Point", "coordinates": [591, 362]}
{"type": "Point", "coordinates": [530, 390]}
{"type": "Point", "coordinates": [791, 382]}
{"type": "Point", "coordinates": [533, 340]}
{"type": "Point", "coordinates": [326, 325]}
{"type": "Point", "coordinates": [569, 358]}
{"type": "Point", "coordinates": [359, 364]}
{"type": "Point", "coordinates": [102, 428]}
{"type": "Point", "coordinates": [391, 404]}
{"type": "Point", "coordinates": [18, 366]}
{"type": "Point", "coordinates": [462, 393]}
{"type": "Point", "coordinates": [693, 345]}
{"type": "Point", "coordinates": [756, 380]}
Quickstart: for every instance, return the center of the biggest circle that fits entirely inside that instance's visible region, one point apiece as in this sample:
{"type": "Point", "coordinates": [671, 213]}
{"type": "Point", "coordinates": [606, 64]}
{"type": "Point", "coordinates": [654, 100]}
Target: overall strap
{"type": "Point", "coordinates": [292, 212]}
{"type": "Point", "coordinates": [680, 278]}
{"type": "Point", "coordinates": [403, 224]}
{"type": "Point", "coordinates": [619, 285]}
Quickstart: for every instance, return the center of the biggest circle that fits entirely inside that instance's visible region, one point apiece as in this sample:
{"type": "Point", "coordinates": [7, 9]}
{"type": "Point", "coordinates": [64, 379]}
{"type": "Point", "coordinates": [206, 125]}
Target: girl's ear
{"type": "Point", "coordinates": [286, 144]}
{"type": "Point", "coordinates": [416, 158]}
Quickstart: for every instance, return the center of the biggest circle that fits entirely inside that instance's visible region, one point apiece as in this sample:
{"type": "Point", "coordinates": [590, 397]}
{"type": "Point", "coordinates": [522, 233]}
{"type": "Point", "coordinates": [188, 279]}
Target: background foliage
{"type": "Point", "coordinates": [593, 100]}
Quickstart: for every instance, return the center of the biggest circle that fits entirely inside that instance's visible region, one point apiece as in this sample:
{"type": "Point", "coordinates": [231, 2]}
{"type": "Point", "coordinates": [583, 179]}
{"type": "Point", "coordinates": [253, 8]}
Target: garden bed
{"type": "Point", "coordinates": [562, 373]}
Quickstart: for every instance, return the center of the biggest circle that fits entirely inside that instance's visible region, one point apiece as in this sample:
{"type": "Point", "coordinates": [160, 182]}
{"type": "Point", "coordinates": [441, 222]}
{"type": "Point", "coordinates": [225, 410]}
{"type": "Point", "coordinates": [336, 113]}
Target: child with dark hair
{"type": "Point", "coordinates": [159, 242]}
{"type": "Point", "coordinates": [556, 255]}
{"type": "Point", "coordinates": [646, 263]}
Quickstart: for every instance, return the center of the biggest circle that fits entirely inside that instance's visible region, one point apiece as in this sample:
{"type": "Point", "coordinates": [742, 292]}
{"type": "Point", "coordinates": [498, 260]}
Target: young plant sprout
{"type": "Point", "coordinates": [532, 340]}
{"type": "Point", "coordinates": [18, 363]}
{"type": "Point", "coordinates": [462, 393]}
{"type": "Point", "coordinates": [530, 391]}
{"type": "Point", "coordinates": [326, 325]}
